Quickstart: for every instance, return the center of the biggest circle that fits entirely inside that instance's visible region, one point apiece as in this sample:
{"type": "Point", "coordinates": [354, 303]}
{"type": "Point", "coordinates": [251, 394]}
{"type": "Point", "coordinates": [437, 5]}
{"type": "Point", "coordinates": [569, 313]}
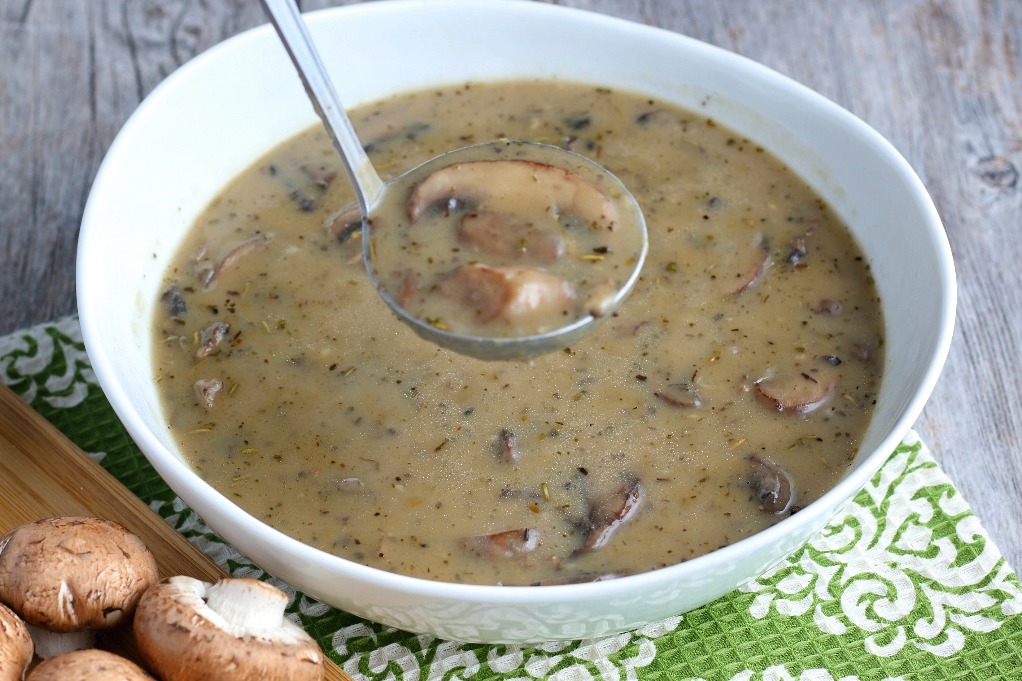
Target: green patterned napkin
{"type": "Point", "coordinates": [904, 584]}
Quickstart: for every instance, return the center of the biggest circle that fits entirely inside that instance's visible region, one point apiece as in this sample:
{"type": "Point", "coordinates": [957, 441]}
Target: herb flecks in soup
{"type": "Point", "coordinates": [731, 389]}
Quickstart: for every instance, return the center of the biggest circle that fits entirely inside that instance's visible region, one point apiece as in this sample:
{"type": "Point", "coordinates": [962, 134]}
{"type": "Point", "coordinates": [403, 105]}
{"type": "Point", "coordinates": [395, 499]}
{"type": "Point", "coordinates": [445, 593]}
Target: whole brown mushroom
{"type": "Point", "coordinates": [88, 665]}
{"type": "Point", "coordinates": [68, 577]}
{"type": "Point", "coordinates": [234, 630]}
{"type": "Point", "coordinates": [15, 646]}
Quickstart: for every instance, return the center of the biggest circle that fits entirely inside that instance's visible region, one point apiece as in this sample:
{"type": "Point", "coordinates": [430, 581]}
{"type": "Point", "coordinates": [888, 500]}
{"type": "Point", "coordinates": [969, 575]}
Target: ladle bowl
{"type": "Point", "coordinates": [620, 267]}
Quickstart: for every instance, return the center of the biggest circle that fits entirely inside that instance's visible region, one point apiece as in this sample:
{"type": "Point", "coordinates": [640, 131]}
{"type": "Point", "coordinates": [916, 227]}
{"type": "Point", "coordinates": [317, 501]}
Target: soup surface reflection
{"type": "Point", "coordinates": [732, 388]}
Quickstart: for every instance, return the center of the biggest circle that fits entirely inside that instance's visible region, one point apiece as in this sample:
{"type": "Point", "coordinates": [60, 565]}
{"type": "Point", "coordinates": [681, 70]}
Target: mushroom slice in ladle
{"type": "Point", "coordinates": [515, 187]}
{"type": "Point", "coordinates": [514, 295]}
{"type": "Point", "coordinates": [234, 630]}
{"type": "Point", "coordinates": [503, 236]}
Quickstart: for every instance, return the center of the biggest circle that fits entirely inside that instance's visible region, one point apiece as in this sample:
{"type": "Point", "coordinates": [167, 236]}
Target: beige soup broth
{"type": "Point", "coordinates": [732, 388]}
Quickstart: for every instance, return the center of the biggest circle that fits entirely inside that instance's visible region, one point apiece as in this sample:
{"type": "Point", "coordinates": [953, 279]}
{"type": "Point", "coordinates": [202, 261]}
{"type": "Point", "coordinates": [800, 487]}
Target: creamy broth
{"type": "Point", "coordinates": [732, 388]}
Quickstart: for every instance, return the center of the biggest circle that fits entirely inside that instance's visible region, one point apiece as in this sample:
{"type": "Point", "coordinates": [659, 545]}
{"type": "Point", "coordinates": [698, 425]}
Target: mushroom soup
{"type": "Point", "coordinates": [732, 387]}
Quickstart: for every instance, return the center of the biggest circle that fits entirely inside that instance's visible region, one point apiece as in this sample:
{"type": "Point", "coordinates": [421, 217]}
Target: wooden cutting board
{"type": "Point", "coordinates": [43, 474]}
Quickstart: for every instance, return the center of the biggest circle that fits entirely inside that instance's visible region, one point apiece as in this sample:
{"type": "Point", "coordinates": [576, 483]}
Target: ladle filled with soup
{"type": "Point", "coordinates": [731, 389]}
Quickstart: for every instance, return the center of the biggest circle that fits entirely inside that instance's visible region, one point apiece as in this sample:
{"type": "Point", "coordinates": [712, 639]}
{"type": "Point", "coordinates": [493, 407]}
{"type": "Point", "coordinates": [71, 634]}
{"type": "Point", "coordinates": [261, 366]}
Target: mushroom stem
{"type": "Point", "coordinates": [247, 603]}
{"type": "Point", "coordinates": [188, 630]}
{"type": "Point", "coordinates": [52, 643]}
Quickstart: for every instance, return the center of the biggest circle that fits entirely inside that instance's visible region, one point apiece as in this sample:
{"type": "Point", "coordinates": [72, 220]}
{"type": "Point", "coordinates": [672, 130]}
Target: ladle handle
{"type": "Point", "coordinates": [286, 18]}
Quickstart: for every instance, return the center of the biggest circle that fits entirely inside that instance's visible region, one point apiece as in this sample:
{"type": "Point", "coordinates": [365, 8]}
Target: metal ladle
{"type": "Point", "coordinates": [371, 192]}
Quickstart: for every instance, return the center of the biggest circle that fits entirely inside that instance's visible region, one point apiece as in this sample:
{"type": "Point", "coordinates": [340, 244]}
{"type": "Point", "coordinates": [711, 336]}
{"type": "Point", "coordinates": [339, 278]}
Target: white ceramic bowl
{"type": "Point", "coordinates": [220, 112]}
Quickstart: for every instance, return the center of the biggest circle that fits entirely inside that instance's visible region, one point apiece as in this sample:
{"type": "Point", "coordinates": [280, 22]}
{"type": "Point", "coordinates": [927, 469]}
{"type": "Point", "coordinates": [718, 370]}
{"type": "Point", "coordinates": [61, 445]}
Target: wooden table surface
{"type": "Point", "coordinates": [940, 79]}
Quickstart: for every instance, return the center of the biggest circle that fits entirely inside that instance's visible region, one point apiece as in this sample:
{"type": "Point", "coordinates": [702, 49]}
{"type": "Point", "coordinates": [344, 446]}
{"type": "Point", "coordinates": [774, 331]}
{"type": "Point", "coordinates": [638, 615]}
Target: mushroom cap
{"type": "Point", "coordinates": [72, 573]}
{"type": "Point", "coordinates": [88, 665]}
{"type": "Point", "coordinates": [182, 638]}
{"type": "Point", "coordinates": [15, 646]}
{"type": "Point", "coordinates": [517, 186]}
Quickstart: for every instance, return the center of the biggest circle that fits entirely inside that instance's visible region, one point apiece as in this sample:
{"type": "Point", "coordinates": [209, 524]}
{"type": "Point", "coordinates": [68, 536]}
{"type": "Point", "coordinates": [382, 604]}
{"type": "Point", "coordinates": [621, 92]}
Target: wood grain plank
{"type": "Point", "coordinates": [43, 474]}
